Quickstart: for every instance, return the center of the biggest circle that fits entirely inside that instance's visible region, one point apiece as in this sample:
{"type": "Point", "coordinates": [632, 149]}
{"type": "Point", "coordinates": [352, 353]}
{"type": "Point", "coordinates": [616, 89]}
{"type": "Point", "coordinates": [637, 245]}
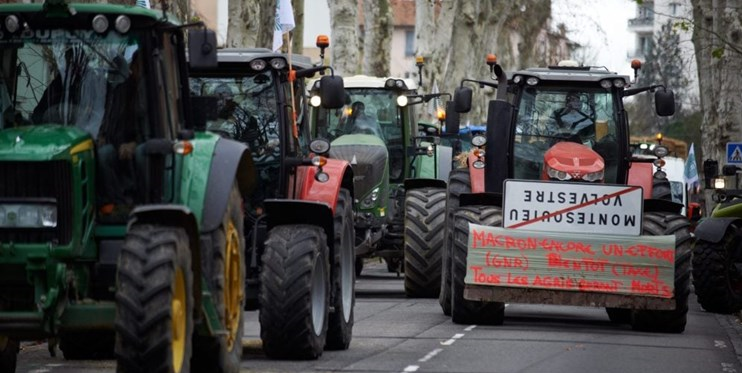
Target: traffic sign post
{"type": "Point", "coordinates": [734, 153]}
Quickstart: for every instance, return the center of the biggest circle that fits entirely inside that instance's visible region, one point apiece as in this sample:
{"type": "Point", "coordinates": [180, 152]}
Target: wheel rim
{"type": "Point", "coordinates": [233, 292]}
{"type": "Point", "coordinates": [319, 294]}
{"type": "Point", "coordinates": [178, 320]}
{"type": "Point", "coordinates": [347, 259]}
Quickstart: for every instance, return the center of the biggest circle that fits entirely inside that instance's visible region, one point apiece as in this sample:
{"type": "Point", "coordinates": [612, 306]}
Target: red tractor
{"type": "Point", "coordinates": [554, 208]}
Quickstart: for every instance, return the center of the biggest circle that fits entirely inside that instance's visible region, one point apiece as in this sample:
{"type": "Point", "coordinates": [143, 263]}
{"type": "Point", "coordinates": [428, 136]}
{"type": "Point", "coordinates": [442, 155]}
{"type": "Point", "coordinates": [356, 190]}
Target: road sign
{"type": "Point", "coordinates": [573, 207]}
{"type": "Point", "coordinates": [734, 153]}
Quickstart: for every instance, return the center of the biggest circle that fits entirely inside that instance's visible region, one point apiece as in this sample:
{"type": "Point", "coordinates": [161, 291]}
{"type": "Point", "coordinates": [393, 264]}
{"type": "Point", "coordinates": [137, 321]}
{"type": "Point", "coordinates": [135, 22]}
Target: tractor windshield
{"type": "Point", "coordinates": [547, 115]}
{"type": "Point", "coordinates": [72, 78]}
{"type": "Point", "coordinates": [369, 111]}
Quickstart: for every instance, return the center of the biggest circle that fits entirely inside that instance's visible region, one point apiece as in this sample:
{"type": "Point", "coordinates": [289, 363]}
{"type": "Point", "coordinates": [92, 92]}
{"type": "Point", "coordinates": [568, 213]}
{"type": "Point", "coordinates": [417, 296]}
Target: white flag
{"type": "Point", "coordinates": [284, 22]}
{"type": "Point", "coordinates": [433, 104]}
{"type": "Point", "coordinates": [143, 3]}
{"type": "Point", "coordinates": [690, 173]}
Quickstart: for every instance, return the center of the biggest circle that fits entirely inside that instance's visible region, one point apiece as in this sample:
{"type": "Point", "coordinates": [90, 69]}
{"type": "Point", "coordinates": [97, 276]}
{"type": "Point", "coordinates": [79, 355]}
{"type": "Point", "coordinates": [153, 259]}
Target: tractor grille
{"type": "Point", "coordinates": [369, 165]}
{"type": "Point", "coordinates": [50, 179]}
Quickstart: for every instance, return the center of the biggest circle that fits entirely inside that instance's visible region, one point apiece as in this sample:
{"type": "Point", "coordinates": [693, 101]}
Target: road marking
{"type": "Point", "coordinates": [728, 368]}
{"type": "Point", "coordinates": [720, 344]}
{"type": "Point", "coordinates": [470, 328]}
{"type": "Point", "coordinates": [411, 368]}
{"type": "Point", "coordinates": [430, 355]}
{"type": "Point", "coordinates": [42, 370]}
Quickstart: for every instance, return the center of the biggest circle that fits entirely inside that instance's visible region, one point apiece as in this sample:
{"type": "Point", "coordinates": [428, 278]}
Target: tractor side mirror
{"type": "Point", "coordinates": [664, 102]}
{"type": "Point", "coordinates": [452, 119]}
{"type": "Point", "coordinates": [730, 170]}
{"type": "Point", "coordinates": [332, 91]}
{"type": "Point", "coordinates": [462, 99]}
{"type": "Point", "coordinates": [203, 109]}
{"type": "Point", "coordinates": [202, 49]}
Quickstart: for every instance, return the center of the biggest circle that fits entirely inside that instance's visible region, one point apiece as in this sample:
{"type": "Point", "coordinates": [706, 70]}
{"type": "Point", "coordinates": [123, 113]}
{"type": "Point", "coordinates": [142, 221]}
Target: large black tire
{"type": "Point", "coordinates": [663, 223]}
{"type": "Point", "coordinates": [8, 354]}
{"type": "Point", "coordinates": [87, 345]}
{"type": "Point", "coordinates": [154, 301]}
{"type": "Point", "coordinates": [424, 220]}
{"type": "Point", "coordinates": [716, 278]}
{"type": "Point", "coordinates": [619, 315]}
{"type": "Point", "coordinates": [294, 292]}
{"type": "Point", "coordinates": [224, 270]}
{"type": "Point", "coordinates": [661, 189]}
{"type": "Point", "coordinates": [459, 182]}
{"type": "Point", "coordinates": [340, 328]}
{"type": "Point", "coordinates": [465, 311]}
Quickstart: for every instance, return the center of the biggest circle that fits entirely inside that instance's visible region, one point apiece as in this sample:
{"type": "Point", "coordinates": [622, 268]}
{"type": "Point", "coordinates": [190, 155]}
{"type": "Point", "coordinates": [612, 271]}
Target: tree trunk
{"type": "Point", "coordinates": [297, 35]}
{"type": "Point", "coordinates": [716, 38]}
{"type": "Point", "coordinates": [377, 45]}
{"type": "Point", "coordinates": [344, 36]}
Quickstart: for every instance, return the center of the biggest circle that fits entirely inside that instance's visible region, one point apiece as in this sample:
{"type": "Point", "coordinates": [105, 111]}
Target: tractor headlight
{"type": "Point", "coordinates": [370, 200]}
{"type": "Point", "coordinates": [315, 101]}
{"type": "Point", "coordinates": [660, 151]}
{"type": "Point", "coordinates": [278, 63]}
{"type": "Point", "coordinates": [258, 65]}
{"type": "Point", "coordinates": [28, 215]}
{"type": "Point", "coordinates": [594, 176]}
{"type": "Point", "coordinates": [558, 175]}
{"type": "Point", "coordinates": [719, 183]}
{"type": "Point", "coordinates": [402, 100]}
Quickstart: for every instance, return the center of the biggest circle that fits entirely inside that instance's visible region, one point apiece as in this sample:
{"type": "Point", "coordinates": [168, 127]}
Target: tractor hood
{"type": "Point", "coordinates": [40, 143]}
{"type": "Point", "coordinates": [367, 156]}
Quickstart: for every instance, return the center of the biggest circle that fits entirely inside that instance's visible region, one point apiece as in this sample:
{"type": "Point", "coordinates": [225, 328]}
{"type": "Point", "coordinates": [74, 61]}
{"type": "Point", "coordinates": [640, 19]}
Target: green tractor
{"type": "Point", "coordinates": [299, 216]}
{"type": "Point", "coordinates": [121, 230]}
{"type": "Point", "coordinates": [399, 171]}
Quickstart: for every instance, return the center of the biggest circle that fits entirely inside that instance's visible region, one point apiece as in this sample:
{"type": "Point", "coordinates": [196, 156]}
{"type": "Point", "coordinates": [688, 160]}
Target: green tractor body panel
{"type": "Point", "coordinates": [42, 143]}
{"type": "Point", "coordinates": [195, 173]}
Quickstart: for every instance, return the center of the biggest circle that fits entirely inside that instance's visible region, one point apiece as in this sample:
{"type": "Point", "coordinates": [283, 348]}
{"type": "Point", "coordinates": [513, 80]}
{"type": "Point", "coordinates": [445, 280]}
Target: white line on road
{"type": "Point", "coordinates": [720, 344]}
{"type": "Point", "coordinates": [470, 328]}
{"type": "Point", "coordinates": [728, 368]}
{"type": "Point", "coordinates": [430, 355]}
{"type": "Point", "coordinates": [411, 368]}
{"type": "Point", "coordinates": [458, 335]}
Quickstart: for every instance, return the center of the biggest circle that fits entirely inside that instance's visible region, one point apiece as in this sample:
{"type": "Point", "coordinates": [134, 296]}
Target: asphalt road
{"type": "Point", "coordinates": [396, 334]}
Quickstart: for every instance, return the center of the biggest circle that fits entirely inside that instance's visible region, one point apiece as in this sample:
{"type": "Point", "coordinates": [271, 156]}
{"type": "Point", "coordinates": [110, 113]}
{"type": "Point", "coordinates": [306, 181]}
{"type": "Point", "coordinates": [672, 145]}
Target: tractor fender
{"type": "Point", "coordinates": [713, 229]}
{"type": "Point", "coordinates": [291, 211]}
{"type": "Point", "coordinates": [411, 184]}
{"type": "Point", "coordinates": [174, 216]}
{"type": "Point", "coordinates": [641, 174]}
{"type": "Point", "coordinates": [231, 160]}
{"type": "Point", "coordinates": [310, 190]}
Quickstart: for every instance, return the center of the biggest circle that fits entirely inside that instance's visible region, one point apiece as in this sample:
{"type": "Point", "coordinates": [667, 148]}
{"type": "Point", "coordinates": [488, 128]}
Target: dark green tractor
{"type": "Point", "coordinates": [121, 230]}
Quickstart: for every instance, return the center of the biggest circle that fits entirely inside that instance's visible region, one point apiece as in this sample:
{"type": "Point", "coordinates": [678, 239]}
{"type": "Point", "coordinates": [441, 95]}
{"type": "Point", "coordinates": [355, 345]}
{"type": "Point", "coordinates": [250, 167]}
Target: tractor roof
{"type": "Point", "coordinates": [92, 8]}
{"type": "Point", "coordinates": [245, 55]}
{"type": "Point", "coordinates": [572, 74]}
{"type": "Point", "coordinates": [365, 81]}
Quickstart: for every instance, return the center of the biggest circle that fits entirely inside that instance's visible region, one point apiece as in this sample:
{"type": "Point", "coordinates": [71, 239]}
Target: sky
{"type": "Point", "coordinates": [603, 27]}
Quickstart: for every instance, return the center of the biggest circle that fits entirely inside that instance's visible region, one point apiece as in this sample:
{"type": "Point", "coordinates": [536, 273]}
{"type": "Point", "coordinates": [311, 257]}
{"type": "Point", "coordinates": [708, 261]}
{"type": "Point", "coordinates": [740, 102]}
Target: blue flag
{"type": "Point", "coordinates": [690, 173]}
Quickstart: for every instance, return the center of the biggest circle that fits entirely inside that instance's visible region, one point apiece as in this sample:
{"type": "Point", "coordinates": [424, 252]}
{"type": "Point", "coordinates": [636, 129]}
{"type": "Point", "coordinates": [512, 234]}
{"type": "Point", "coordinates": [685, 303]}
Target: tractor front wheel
{"type": "Point", "coordinates": [466, 311]}
{"type": "Point", "coordinates": [673, 321]}
{"type": "Point", "coordinates": [8, 354]}
{"type": "Point", "coordinates": [459, 182]}
{"type": "Point", "coordinates": [340, 328]}
{"type": "Point", "coordinates": [224, 269]}
{"type": "Point", "coordinates": [154, 301]}
{"type": "Point", "coordinates": [424, 222]}
{"type": "Point", "coordinates": [294, 292]}
{"type": "Point", "coordinates": [717, 274]}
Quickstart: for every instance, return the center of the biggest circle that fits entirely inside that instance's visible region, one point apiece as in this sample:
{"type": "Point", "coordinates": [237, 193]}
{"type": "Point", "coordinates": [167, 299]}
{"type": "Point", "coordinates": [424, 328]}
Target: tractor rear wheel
{"type": "Point", "coordinates": [466, 311]}
{"type": "Point", "coordinates": [423, 240]}
{"type": "Point", "coordinates": [663, 223]}
{"type": "Point", "coordinates": [8, 354]}
{"type": "Point", "coordinates": [458, 183]}
{"type": "Point", "coordinates": [717, 277]}
{"type": "Point", "coordinates": [294, 292]}
{"type": "Point", "coordinates": [154, 301]}
{"type": "Point", "coordinates": [224, 269]}
{"type": "Point", "coordinates": [340, 328]}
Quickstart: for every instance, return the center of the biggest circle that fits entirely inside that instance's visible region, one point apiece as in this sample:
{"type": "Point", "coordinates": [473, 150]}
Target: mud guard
{"type": "Point", "coordinates": [713, 229]}
{"type": "Point", "coordinates": [476, 175]}
{"type": "Point", "coordinates": [287, 211]}
{"type": "Point", "coordinates": [410, 184]}
{"type": "Point", "coordinates": [305, 187]}
{"type": "Point", "coordinates": [174, 216]}
{"type": "Point", "coordinates": [232, 160]}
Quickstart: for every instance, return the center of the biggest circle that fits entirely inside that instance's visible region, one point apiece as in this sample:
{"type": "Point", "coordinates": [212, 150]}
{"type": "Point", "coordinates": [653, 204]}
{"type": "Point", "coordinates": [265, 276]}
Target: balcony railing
{"type": "Point", "coordinates": [643, 21]}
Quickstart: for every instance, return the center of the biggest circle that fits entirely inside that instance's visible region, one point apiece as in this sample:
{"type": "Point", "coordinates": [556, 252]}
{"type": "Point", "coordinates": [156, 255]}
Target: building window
{"type": "Point", "coordinates": [409, 44]}
{"type": "Point", "coordinates": [674, 8]}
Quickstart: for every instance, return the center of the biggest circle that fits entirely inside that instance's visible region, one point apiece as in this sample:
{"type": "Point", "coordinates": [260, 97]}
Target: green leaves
{"type": "Point", "coordinates": [718, 52]}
